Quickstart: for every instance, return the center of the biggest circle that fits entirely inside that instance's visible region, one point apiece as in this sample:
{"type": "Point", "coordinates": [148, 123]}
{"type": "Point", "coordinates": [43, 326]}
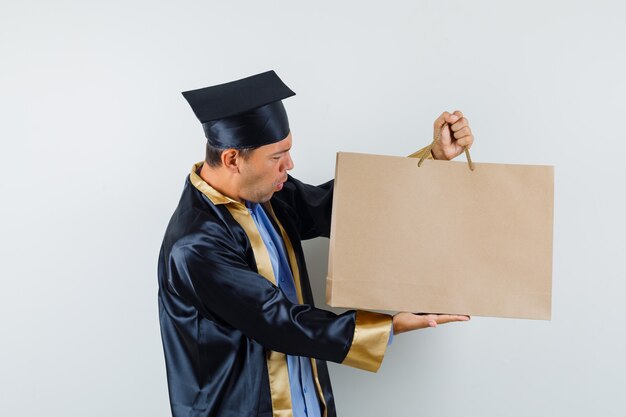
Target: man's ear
{"type": "Point", "coordinates": [230, 159]}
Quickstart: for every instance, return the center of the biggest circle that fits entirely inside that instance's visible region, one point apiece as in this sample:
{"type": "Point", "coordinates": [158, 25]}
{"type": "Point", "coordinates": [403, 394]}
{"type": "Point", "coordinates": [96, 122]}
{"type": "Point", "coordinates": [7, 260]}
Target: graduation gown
{"type": "Point", "coordinates": [225, 325]}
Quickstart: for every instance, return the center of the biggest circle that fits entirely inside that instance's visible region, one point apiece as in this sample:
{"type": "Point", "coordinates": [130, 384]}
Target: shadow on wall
{"type": "Point", "coordinates": [316, 252]}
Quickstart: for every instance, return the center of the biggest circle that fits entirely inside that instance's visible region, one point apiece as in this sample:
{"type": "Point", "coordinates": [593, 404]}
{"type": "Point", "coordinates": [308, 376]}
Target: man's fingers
{"type": "Point", "coordinates": [453, 133]}
{"type": "Point", "coordinates": [448, 318]}
{"type": "Point", "coordinates": [441, 120]}
{"type": "Point", "coordinates": [462, 132]}
{"type": "Point", "coordinates": [445, 318]}
{"type": "Point", "coordinates": [452, 118]}
{"type": "Point", "coordinates": [405, 322]}
{"type": "Point", "coordinates": [441, 318]}
{"type": "Point", "coordinates": [445, 138]}
{"type": "Point", "coordinates": [446, 117]}
{"type": "Point", "coordinates": [461, 129]}
{"type": "Point", "coordinates": [460, 125]}
{"type": "Point", "coordinates": [466, 141]}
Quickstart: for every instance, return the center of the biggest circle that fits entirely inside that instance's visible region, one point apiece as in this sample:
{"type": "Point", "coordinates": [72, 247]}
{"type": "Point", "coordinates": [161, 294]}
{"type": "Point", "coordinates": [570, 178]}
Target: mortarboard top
{"type": "Point", "coordinates": [244, 113]}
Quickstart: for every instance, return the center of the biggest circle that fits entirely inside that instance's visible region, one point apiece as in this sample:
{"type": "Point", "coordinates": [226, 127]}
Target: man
{"type": "Point", "coordinates": [240, 331]}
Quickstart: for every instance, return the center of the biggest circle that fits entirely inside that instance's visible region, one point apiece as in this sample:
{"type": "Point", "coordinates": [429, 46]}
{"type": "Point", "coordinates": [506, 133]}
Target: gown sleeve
{"type": "Point", "coordinates": [311, 205]}
{"type": "Point", "coordinates": [213, 275]}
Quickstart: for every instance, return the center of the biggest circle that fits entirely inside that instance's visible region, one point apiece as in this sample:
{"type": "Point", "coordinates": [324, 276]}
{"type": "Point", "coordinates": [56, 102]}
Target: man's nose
{"type": "Point", "coordinates": [289, 165]}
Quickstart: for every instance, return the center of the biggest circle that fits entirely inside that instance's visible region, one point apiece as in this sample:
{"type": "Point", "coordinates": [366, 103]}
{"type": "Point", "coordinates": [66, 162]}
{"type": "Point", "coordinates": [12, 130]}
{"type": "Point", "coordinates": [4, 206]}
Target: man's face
{"type": "Point", "coordinates": [265, 171]}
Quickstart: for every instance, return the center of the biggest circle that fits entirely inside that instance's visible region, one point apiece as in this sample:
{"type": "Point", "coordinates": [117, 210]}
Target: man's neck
{"type": "Point", "coordinates": [220, 181]}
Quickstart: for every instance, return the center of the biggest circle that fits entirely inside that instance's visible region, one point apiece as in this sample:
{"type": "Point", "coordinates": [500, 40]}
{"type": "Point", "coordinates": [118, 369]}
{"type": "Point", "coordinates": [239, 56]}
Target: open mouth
{"type": "Point", "coordinates": [279, 185]}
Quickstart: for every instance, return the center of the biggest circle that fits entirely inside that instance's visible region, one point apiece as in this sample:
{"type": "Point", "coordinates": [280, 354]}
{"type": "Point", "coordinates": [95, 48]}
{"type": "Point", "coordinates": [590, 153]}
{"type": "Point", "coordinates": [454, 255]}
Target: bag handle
{"type": "Point", "coordinates": [430, 147]}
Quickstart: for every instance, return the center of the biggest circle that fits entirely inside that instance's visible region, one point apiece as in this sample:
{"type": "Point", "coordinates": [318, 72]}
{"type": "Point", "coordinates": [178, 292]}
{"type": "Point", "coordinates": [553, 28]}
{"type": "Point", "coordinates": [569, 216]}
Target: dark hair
{"type": "Point", "coordinates": [213, 155]}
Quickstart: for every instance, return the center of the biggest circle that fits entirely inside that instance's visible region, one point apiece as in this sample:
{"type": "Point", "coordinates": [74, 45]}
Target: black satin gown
{"type": "Point", "coordinates": [220, 319]}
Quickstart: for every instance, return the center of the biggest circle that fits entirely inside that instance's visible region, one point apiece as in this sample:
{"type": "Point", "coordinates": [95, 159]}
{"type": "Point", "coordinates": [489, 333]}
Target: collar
{"type": "Point", "coordinates": [212, 194]}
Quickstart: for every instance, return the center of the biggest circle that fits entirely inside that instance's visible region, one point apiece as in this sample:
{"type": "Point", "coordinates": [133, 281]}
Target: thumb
{"type": "Point", "coordinates": [445, 137]}
{"type": "Point", "coordinates": [446, 117]}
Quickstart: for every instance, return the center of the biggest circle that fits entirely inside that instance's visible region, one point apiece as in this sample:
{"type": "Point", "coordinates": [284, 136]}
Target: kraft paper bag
{"type": "Point", "coordinates": [440, 238]}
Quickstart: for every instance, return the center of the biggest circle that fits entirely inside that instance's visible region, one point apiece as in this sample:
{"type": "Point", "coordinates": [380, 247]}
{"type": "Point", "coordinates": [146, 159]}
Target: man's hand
{"type": "Point", "coordinates": [455, 134]}
{"type": "Point", "coordinates": [405, 322]}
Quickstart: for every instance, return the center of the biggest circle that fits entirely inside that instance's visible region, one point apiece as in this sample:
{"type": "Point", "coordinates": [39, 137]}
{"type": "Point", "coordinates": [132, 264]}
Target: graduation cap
{"type": "Point", "coordinates": [246, 113]}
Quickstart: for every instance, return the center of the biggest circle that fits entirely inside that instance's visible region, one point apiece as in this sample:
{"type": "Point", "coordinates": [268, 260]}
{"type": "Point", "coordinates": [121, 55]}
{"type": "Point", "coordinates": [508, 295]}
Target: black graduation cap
{"type": "Point", "coordinates": [246, 113]}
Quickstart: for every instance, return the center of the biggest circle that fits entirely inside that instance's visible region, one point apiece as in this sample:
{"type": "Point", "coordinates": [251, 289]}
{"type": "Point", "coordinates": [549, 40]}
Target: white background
{"type": "Point", "coordinates": [97, 141]}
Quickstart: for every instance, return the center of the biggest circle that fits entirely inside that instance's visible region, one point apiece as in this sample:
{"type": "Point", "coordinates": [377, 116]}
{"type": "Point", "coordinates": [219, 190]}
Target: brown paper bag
{"type": "Point", "coordinates": [440, 238]}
